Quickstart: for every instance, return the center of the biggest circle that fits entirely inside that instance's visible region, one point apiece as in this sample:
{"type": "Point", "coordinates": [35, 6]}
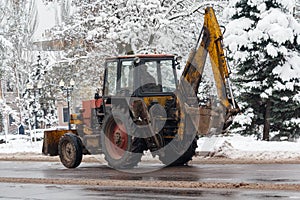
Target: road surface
{"type": "Point", "coordinates": [50, 180]}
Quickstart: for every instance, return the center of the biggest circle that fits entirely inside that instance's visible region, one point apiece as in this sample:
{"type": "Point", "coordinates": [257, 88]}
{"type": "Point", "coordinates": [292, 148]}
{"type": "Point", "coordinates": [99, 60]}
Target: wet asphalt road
{"type": "Point", "coordinates": [71, 192]}
{"type": "Point", "coordinates": [235, 173]}
{"type": "Point", "coordinates": [253, 173]}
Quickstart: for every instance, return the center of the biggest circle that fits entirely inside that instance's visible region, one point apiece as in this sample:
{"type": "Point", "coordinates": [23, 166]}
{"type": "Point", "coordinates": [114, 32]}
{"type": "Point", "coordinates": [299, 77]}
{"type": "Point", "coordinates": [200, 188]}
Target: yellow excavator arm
{"type": "Point", "coordinates": [210, 43]}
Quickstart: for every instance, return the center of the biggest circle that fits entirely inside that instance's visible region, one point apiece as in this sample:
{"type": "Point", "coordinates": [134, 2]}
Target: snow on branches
{"type": "Point", "coordinates": [263, 39]}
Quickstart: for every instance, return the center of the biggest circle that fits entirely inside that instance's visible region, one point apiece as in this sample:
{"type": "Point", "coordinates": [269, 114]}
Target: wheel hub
{"type": "Point", "coordinates": [118, 140]}
{"type": "Point", "coordinates": [119, 137]}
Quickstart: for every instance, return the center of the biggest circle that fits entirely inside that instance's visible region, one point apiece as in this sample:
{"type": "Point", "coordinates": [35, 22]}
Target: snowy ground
{"type": "Point", "coordinates": [234, 147]}
{"type": "Point", "coordinates": [239, 147]}
{"type": "Point", "coordinates": [20, 144]}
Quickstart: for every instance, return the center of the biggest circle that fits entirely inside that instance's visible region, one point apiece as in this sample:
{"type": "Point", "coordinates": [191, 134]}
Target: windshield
{"type": "Point", "coordinates": [157, 76]}
{"type": "Point", "coordinates": [123, 77]}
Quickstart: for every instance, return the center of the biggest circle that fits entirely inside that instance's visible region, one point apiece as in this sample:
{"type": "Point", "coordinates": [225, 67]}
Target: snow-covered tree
{"type": "Point", "coordinates": [263, 38]}
{"type": "Point", "coordinates": [40, 96]}
{"type": "Point", "coordinates": [118, 27]}
{"type": "Point", "coordinates": [17, 22]}
{"type": "Point", "coordinates": [96, 29]}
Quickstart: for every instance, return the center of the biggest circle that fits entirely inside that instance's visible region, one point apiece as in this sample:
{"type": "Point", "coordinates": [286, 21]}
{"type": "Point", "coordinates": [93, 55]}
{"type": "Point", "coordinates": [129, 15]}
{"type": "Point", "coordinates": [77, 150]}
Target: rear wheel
{"type": "Point", "coordinates": [172, 157]}
{"type": "Point", "coordinates": [70, 150]}
{"type": "Point", "coordinates": [121, 150]}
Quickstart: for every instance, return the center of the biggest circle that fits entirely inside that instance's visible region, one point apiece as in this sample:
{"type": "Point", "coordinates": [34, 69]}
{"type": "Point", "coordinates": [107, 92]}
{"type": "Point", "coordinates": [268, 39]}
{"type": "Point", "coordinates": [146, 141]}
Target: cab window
{"type": "Point", "coordinates": [111, 78]}
{"type": "Point", "coordinates": [168, 80]}
{"type": "Point", "coordinates": [157, 76]}
{"type": "Point", "coordinates": [126, 80]}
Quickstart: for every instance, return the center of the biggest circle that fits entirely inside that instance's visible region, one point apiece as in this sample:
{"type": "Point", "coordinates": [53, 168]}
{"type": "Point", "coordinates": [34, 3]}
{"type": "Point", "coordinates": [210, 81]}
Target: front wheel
{"type": "Point", "coordinates": [70, 150]}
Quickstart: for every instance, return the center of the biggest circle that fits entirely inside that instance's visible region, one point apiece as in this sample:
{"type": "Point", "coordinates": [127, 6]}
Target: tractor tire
{"type": "Point", "coordinates": [171, 157]}
{"type": "Point", "coordinates": [70, 150]}
{"type": "Point", "coordinates": [121, 150]}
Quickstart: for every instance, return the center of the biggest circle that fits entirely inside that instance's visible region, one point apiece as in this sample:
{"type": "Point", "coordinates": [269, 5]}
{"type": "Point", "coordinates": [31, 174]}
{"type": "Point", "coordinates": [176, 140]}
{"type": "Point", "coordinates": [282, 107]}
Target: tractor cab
{"type": "Point", "coordinates": [140, 75]}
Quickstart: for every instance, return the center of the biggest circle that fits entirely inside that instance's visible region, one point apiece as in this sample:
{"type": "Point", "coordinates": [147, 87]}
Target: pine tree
{"type": "Point", "coordinates": [264, 43]}
{"type": "Point", "coordinates": [39, 96]}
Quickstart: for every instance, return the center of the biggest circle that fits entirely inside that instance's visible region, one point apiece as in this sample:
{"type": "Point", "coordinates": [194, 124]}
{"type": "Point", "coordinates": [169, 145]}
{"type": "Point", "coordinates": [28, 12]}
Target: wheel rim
{"type": "Point", "coordinates": [116, 140]}
{"type": "Point", "coordinates": [68, 151]}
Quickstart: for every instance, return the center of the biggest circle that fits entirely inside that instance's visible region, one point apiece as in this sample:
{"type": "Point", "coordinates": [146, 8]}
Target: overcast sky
{"type": "Point", "coordinates": [46, 18]}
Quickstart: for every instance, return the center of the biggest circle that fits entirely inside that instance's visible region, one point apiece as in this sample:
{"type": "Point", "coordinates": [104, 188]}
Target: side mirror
{"type": "Point", "coordinates": [178, 60]}
{"type": "Point", "coordinates": [136, 61]}
{"type": "Point", "coordinates": [224, 29]}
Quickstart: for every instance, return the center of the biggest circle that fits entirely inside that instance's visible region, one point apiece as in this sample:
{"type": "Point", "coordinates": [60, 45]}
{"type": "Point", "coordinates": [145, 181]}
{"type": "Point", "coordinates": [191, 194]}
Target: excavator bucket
{"type": "Point", "coordinates": [51, 141]}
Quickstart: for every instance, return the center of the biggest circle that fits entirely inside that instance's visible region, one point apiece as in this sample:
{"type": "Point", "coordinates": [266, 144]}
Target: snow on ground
{"type": "Point", "coordinates": [20, 144]}
{"type": "Point", "coordinates": [232, 147]}
{"type": "Point", "coordinates": [240, 147]}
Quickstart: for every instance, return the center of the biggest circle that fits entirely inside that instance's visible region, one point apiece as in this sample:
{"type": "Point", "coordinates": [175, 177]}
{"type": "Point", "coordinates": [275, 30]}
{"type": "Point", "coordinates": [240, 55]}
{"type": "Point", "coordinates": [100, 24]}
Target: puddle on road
{"type": "Point", "coordinates": [278, 180]}
{"type": "Point", "coordinates": [171, 193]}
{"type": "Point", "coordinates": [179, 193]}
{"type": "Point", "coordinates": [104, 172]}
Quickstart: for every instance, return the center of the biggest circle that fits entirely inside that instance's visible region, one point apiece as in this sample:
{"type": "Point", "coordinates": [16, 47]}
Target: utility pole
{"type": "Point", "coordinates": [68, 89]}
{"type": "Point", "coordinates": [1, 92]}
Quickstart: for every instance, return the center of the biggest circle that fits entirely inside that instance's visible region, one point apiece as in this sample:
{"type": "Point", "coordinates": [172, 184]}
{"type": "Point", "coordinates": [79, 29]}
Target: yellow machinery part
{"type": "Point", "coordinates": [216, 53]}
{"type": "Point", "coordinates": [74, 119]}
{"type": "Point", "coordinates": [160, 99]}
{"type": "Point", "coordinates": [51, 140]}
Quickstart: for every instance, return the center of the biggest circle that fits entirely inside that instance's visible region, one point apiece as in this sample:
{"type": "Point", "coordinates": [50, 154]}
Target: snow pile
{"type": "Point", "coordinates": [239, 147]}
{"type": "Point", "coordinates": [19, 144]}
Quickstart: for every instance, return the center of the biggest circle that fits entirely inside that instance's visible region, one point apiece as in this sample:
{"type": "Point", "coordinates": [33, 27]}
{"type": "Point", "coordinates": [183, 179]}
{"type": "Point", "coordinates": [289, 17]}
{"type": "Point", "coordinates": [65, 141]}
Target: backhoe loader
{"type": "Point", "coordinates": [143, 106]}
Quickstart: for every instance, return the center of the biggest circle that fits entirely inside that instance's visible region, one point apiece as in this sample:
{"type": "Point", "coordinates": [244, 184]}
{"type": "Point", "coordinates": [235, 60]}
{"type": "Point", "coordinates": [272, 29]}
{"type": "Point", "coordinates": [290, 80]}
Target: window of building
{"type": "Point", "coordinates": [65, 115]}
